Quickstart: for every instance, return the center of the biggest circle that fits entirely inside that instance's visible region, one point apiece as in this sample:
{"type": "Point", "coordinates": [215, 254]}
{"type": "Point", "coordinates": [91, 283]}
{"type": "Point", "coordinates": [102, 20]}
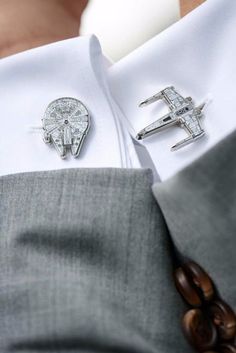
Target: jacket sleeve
{"type": "Point", "coordinates": [86, 264]}
{"type": "Point", "coordinates": [199, 206]}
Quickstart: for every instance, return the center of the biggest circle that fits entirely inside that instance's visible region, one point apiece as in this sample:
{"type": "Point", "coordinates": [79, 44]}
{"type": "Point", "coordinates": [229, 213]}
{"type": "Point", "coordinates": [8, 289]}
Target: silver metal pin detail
{"type": "Point", "coordinates": [182, 113]}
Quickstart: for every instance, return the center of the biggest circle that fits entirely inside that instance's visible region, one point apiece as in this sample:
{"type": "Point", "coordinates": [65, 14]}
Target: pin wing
{"type": "Point", "coordinates": [173, 99]}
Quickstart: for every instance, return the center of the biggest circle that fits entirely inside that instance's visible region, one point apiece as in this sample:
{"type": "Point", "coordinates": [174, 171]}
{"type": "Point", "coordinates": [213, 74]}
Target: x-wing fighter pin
{"type": "Point", "coordinates": [182, 113]}
{"type": "Point", "coordinates": [66, 123]}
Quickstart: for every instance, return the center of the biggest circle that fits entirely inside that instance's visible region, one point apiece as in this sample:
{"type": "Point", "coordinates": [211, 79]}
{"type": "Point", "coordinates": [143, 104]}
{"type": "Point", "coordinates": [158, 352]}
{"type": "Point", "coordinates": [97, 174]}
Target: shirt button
{"type": "Point", "coordinates": [199, 330]}
{"type": "Point", "coordinates": [224, 318]}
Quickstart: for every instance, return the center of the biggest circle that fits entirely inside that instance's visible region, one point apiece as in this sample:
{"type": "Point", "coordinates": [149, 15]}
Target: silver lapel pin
{"type": "Point", "coordinates": [182, 113]}
{"type": "Point", "coordinates": [66, 123]}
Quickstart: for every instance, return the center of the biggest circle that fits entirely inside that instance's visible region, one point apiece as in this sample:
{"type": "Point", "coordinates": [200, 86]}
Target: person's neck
{"type": "Point", "coordinates": [27, 24]}
{"type": "Point", "coordinates": [187, 6]}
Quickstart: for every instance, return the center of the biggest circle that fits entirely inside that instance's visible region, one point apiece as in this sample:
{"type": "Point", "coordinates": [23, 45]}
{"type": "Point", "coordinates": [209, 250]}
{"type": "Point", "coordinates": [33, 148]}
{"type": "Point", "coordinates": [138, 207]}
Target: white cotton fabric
{"type": "Point", "coordinates": [29, 81]}
{"type": "Point", "coordinates": [197, 56]}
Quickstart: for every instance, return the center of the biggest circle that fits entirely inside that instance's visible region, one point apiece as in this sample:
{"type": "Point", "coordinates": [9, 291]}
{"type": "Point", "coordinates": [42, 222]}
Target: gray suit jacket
{"type": "Point", "coordinates": [87, 258]}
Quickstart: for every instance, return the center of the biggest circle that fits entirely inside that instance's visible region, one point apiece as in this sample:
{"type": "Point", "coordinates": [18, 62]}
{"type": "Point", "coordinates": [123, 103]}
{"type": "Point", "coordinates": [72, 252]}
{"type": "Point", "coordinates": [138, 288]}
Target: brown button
{"type": "Point", "coordinates": [201, 279]}
{"type": "Point", "coordinates": [186, 288]}
{"type": "Point", "coordinates": [227, 348]}
{"type": "Point", "coordinates": [194, 284]}
{"type": "Point", "coordinates": [199, 330]}
{"type": "Point", "coordinates": [224, 318]}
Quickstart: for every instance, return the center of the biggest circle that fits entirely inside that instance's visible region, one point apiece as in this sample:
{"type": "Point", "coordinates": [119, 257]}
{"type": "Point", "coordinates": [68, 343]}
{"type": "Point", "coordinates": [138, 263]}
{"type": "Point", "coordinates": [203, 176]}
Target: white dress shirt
{"type": "Point", "coordinates": [29, 81]}
{"type": "Point", "coordinates": [144, 19]}
{"type": "Point", "coordinates": [196, 55]}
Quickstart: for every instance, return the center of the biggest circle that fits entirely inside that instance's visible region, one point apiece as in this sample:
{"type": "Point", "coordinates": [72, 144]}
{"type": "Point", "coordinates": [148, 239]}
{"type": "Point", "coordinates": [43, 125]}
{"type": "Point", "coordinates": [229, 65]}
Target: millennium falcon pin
{"type": "Point", "coordinates": [66, 123]}
{"type": "Point", "coordinates": [182, 113]}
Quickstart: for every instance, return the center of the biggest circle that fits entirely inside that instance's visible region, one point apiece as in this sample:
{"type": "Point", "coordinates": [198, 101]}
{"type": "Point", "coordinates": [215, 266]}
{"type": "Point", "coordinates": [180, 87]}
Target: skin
{"type": "Point", "coordinates": [188, 5]}
{"type": "Point", "coordinates": [26, 24]}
